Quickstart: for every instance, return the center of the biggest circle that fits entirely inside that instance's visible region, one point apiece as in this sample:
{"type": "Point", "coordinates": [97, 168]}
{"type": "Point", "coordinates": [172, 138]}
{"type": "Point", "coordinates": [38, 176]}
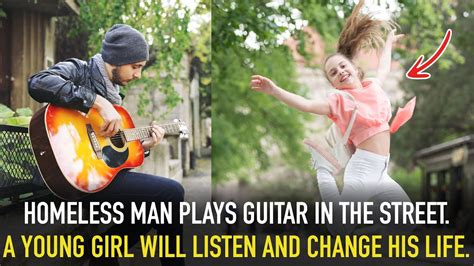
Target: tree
{"type": "Point", "coordinates": [444, 102]}
{"type": "Point", "coordinates": [201, 55]}
{"type": "Point", "coordinates": [165, 26]}
{"type": "Point", "coordinates": [247, 37]}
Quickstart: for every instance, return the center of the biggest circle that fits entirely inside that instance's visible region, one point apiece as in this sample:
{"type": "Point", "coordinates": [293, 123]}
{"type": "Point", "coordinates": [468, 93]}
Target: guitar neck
{"type": "Point", "coordinates": [142, 133]}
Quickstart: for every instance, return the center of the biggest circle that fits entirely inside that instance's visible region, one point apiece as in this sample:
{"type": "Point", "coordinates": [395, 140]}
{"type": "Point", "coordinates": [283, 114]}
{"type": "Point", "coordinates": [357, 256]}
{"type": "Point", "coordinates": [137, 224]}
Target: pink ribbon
{"type": "Point", "coordinates": [403, 115]}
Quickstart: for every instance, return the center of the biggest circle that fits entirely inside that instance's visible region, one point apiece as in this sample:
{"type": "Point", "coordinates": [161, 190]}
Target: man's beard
{"type": "Point", "coordinates": [116, 79]}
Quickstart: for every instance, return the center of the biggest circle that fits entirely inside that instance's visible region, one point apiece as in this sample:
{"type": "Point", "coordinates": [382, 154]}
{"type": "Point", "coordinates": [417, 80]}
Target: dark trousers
{"type": "Point", "coordinates": [138, 187]}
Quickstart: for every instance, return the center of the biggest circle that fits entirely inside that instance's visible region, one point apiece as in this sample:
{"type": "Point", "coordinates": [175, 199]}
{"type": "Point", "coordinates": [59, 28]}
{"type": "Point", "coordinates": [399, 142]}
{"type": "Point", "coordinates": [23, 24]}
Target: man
{"type": "Point", "coordinates": [95, 84]}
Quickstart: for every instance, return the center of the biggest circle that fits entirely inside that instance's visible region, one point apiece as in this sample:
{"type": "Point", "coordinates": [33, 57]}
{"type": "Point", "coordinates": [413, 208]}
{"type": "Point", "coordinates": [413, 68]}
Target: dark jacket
{"type": "Point", "coordinates": [72, 83]}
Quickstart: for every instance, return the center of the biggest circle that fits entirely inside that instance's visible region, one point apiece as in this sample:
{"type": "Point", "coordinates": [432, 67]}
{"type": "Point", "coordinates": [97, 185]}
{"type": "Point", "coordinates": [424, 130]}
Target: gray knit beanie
{"type": "Point", "coordinates": [124, 45]}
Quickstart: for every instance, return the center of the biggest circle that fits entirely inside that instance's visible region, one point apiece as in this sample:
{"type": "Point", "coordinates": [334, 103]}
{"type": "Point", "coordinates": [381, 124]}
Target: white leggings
{"type": "Point", "coordinates": [365, 178]}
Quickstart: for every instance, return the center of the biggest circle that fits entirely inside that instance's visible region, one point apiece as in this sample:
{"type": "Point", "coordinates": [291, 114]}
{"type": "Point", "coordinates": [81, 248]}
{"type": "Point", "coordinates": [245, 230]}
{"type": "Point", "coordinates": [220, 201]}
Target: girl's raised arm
{"type": "Point", "coordinates": [265, 85]}
{"type": "Point", "coordinates": [386, 56]}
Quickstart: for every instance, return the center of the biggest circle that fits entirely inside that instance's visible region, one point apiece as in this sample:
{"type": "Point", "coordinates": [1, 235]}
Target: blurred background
{"type": "Point", "coordinates": [259, 154]}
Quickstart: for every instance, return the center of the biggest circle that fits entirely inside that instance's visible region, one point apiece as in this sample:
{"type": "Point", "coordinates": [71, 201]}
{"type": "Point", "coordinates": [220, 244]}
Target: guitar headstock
{"type": "Point", "coordinates": [182, 128]}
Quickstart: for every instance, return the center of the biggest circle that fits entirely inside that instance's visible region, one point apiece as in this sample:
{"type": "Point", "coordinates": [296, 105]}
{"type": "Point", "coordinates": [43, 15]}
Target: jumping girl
{"type": "Point", "coordinates": [365, 176]}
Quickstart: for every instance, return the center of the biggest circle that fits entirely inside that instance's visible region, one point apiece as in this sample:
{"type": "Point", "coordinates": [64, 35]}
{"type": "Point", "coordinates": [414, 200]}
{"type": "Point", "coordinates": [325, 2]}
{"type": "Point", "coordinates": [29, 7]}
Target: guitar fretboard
{"type": "Point", "coordinates": [142, 133]}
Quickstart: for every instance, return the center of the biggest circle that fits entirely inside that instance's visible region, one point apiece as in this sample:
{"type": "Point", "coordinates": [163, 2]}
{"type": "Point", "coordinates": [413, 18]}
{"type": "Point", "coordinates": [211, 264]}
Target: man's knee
{"type": "Point", "coordinates": [177, 191]}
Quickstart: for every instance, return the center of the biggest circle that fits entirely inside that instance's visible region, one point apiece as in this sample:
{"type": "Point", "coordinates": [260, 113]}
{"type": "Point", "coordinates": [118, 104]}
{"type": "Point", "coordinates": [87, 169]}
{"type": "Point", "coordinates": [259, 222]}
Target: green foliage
{"type": "Point", "coordinates": [422, 20]}
{"type": "Point", "coordinates": [440, 113]}
{"type": "Point", "coordinates": [322, 16]}
{"type": "Point", "coordinates": [234, 21]}
{"type": "Point", "coordinates": [409, 180]}
{"type": "Point", "coordinates": [444, 102]}
{"type": "Point", "coordinates": [21, 117]}
{"type": "Point", "coordinates": [249, 124]}
{"type": "Point", "coordinates": [201, 43]}
{"type": "Point", "coordinates": [71, 39]}
{"type": "Point", "coordinates": [2, 14]}
{"type": "Point", "coordinates": [17, 168]}
{"type": "Point", "coordinates": [418, 20]}
{"type": "Point", "coordinates": [24, 112]}
{"type": "Point", "coordinates": [164, 25]}
{"type": "Point", "coordinates": [5, 112]}
{"type": "Point", "coordinates": [252, 129]}
{"type": "Point", "coordinates": [14, 145]}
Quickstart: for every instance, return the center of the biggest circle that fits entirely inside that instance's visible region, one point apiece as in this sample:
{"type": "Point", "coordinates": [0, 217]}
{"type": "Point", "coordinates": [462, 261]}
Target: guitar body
{"type": "Point", "coordinates": [73, 159]}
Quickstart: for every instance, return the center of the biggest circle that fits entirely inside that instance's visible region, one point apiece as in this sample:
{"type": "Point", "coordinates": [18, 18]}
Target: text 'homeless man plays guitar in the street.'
{"type": "Point", "coordinates": [93, 89]}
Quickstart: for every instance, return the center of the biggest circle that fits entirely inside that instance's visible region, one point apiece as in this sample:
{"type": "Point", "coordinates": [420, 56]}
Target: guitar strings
{"type": "Point", "coordinates": [119, 137]}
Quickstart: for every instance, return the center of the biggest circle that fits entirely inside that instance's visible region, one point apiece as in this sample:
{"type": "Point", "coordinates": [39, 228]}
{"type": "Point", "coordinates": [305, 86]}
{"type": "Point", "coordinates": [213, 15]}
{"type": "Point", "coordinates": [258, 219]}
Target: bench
{"type": "Point", "coordinates": [19, 177]}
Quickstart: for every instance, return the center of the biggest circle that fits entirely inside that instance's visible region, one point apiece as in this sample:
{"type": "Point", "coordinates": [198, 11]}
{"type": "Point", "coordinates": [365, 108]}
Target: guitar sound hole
{"type": "Point", "coordinates": [117, 140]}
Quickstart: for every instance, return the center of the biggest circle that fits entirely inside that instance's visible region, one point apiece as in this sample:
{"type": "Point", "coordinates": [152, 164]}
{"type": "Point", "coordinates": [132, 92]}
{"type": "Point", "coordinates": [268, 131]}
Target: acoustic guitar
{"type": "Point", "coordinates": [74, 160]}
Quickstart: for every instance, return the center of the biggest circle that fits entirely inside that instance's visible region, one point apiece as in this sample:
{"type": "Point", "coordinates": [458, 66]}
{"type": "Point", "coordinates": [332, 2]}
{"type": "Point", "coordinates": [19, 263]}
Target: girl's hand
{"type": "Point", "coordinates": [392, 38]}
{"type": "Point", "coordinates": [263, 84]}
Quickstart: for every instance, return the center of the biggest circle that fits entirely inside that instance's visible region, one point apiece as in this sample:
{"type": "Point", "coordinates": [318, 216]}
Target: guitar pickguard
{"type": "Point", "coordinates": [74, 161]}
{"type": "Point", "coordinates": [114, 158]}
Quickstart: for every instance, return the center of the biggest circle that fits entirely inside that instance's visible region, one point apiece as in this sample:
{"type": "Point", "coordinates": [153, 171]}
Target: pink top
{"type": "Point", "coordinates": [373, 113]}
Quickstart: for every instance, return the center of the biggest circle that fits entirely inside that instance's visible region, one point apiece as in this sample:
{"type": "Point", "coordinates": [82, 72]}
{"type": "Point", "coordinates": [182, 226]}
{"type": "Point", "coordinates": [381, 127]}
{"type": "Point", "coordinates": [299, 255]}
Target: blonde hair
{"type": "Point", "coordinates": [361, 31]}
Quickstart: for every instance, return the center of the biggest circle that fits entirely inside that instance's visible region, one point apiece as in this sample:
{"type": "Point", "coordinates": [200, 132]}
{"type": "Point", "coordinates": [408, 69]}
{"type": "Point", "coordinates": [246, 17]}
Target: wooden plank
{"type": "Point", "coordinates": [40, 42]}
{"type": "Point", "coordinates": [28, 55]}
{"type": "Point", "coordinates": [5, 60]}
{"type": "Point", "coordinates": [26, 59]}
{"type": "Point", "coordinates": [24, 62]}
{"type": "Point", "coordinates": [29, 29]}
{"type": "Point", "coordinates": [35, 56]}
{"type": "Point", "coordinates": [41, 51]}
{"type": "Point", "coordinates": [17, 55]}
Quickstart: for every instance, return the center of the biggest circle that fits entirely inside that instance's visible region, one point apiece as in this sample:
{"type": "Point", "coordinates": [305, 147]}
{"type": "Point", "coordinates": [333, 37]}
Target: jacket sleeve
{"type": "Point", "coordinates": [62, 85]}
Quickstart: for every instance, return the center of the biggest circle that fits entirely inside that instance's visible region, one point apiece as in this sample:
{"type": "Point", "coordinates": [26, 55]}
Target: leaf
{"type": "Point", "coordinates": [5, 112]}
{"type": "Point", "coordinates": [24, 112]}
{"type": "Point", "coordinates": [18, 121]}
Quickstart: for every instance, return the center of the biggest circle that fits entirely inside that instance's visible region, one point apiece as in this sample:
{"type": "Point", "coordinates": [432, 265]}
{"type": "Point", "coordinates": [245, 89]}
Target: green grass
{"type": "Point", "coordinates": [409, 180]}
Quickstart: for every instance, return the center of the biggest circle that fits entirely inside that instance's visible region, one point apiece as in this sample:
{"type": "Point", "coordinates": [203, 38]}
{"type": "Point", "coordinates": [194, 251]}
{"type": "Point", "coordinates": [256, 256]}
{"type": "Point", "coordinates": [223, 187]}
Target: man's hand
{"type": "Point", "coordinates": [112, 119]}
{"type": "Point", "coordinates": [157, 136]}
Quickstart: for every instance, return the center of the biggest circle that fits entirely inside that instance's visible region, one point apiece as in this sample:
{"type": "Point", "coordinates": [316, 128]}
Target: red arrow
{"type": "Point", "coordinates": [416, 70]}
